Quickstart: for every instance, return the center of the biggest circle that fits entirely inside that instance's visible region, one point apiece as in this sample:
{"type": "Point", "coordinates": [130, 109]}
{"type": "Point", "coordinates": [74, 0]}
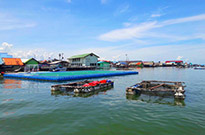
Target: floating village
{"type": "Point", "coordinates": [87, 66]}
{"type": "Point", "coordinates": [102, 67]}
{"type": "Point", "coordinates": [87, 61]}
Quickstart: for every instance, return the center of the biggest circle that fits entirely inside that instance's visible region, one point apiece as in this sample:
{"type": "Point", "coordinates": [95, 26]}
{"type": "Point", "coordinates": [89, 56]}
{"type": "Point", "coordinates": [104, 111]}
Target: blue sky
{"type": "Point", "coordinates": [144, 29]}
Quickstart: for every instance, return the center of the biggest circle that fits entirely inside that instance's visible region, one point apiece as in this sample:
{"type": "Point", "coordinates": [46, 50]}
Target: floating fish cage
{"type": "Point", "coordinates": [67, 76]}
{"type": "Point", "coordinates": [82, 87]}
{"type": "Point", "coordinates": [159, 88]}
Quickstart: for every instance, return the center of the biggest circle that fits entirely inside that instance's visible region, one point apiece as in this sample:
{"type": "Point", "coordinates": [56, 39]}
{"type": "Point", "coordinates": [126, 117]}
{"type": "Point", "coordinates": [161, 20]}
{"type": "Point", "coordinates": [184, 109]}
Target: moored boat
{"type": "Point", "coordinates": [160, 88]}
{"type": "Point", "coordinates": [200, 68]}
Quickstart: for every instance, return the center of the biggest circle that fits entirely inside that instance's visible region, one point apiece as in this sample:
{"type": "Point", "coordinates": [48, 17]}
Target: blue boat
{"type": "Point", "coordinates": [199, 68]}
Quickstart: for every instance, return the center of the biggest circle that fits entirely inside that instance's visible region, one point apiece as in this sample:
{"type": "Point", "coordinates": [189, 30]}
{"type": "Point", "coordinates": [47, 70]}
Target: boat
{"type": "Point", "coordinates": [159, 88]}
{"type": "Point", "coordinates": [199, 68]}
{"type": "Point", "coordinates": [83, 86]}
{"type": "Point", "coordinates": [58, 69]}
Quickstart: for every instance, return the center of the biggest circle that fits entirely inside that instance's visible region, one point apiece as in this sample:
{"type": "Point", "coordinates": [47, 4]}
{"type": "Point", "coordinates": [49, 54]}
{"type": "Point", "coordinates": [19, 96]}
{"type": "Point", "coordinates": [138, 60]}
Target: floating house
{"type": "Point", "coordinates": [135, 64]}
{"type": "Point", "coordinates": [4, 55]}
{"type": "Point", "coordinates": [121, 64]}
{"type": "Point", "coordinates": [174, 63]}
{"type": "Point", "coordinates": [88, 59]}
{"type": "Point", "coordinates": [104, 64]}
{"type": "Point", "coordinates": [148, 63]}
{"type": "Point", "coordinates": [44, 66]}
{"type": "Point", "coordinates": [125, 64]}
{"type": "Point", "coordinates": [60, 63]}
{"type": "Point", "coordinates": [11, 64]}
{"type": "Point", "coordinates": [30, 65]}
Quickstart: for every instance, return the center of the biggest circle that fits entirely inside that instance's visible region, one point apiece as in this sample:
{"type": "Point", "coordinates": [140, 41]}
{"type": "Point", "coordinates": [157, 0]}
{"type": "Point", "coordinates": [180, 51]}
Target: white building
{"type": "Point", "coordinates": [89, 59]}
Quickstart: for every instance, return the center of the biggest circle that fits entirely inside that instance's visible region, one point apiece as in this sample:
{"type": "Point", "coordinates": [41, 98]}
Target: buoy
{"type": "Point", "coordinates": [178, 95]}
{"type": "Point", "coordinates": [2, 73]}
{"type": "Point", "coordinates": [76, 90]}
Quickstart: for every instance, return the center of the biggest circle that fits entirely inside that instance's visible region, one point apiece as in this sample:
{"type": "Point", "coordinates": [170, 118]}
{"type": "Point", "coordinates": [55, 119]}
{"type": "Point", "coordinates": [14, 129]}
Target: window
{"type": "Point", "coordinates": [76, 60]}
{"type": "Point", "coordinates": [92, 64]}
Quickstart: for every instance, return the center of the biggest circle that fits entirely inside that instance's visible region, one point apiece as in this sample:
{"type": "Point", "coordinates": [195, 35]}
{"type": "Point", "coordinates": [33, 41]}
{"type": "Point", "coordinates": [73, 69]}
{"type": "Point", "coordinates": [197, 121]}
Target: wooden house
{"type": "Point", "coordinates": [88, 59]}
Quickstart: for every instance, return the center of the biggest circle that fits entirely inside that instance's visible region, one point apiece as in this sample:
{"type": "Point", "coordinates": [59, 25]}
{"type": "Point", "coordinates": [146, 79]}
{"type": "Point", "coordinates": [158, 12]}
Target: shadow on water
{"type": "Point", "coordinates": [167, 100]}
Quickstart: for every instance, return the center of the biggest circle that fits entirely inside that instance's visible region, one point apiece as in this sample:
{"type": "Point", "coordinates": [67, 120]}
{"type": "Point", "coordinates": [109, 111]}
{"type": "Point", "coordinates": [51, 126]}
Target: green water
{"type": "Point", "coordinates": [28, 108]}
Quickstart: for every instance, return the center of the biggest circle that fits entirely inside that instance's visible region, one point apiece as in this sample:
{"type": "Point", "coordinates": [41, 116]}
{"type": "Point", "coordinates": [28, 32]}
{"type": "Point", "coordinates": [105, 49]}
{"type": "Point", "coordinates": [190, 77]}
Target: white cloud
{"type": "Point", "coordinates": [179, 57]}
{"type": "Point", "coordinates": [8, 22]}
{"type": "Point", "coordinates": [39, 54]}
{"type": "Point", "coordinates": [124, 8]}
{"type": "Point", "coordinates": [159, 12]}
{"type": "Point", "coordinates": [200, 35]}
{"type": "Point", "coordinates": [141, 30]}
{"type": "Point", "coordinates": [6, 47]}
{"type": "Point", "coordinates": [128, 33]}
{"type": "Point", "coordinates": [69, 1]}
{"type": "Point", "coordinates": [127, 24]}
{"type": "Point", "coordinates": [113, 53]}
{"type": "Point", "coordinates": [103, 1]}
{"type": "Point", "coordinates": [183, 20]}
{"type": "Point", "coordinates": [154, 53]}
{"type": "Point", "coordinates": [155, 15]}
{"type": "Point", "coordinates": [12, 26]}
{"type": "Point", "coordinates": [121, 9]}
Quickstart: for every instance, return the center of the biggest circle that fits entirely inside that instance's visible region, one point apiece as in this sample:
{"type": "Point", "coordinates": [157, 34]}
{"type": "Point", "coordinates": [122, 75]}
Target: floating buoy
{"type": "Point", "coordinates": [179, 95]}
{"type": "Point", "coordinates": [76, 90]}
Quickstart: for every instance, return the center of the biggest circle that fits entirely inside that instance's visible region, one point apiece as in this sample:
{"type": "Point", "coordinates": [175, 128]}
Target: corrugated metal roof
{"type": "Point", "coordinates": [82, 55]}
{"type": "Point", "coordinates": [175, 61]}
{"type": "Point", "coordinates": [13, 61]}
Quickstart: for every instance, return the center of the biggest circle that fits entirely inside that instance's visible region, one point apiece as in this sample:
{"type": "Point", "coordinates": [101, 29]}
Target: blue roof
{"type": "Point", "coordinates": [124, 63]}
{"type": "Point", "coordinates": [4, 55]}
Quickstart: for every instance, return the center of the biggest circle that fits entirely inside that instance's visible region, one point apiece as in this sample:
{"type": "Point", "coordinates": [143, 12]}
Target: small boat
{"type": "Point", "coordinates": [83, 86]}
{"type": "Point", "coordinates": [58, 69]}
{"type": "Point", "coordinates": [160, 88]}
{"type": "Point", "coordinates": [1, 75]}
{"type": "Point", "coordinates": [199, 68]}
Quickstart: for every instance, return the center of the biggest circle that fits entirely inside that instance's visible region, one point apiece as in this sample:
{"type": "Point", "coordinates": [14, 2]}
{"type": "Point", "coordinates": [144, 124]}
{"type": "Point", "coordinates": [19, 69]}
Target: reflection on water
{"type": "Point", "coordinates": [12, 84]}
{"type": "Point", "coordinates": [156, 99]}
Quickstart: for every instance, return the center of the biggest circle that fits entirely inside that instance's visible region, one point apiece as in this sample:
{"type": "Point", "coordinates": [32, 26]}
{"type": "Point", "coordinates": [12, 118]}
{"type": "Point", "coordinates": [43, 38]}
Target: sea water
{"type": "Point", "coordinates": [29, 108]}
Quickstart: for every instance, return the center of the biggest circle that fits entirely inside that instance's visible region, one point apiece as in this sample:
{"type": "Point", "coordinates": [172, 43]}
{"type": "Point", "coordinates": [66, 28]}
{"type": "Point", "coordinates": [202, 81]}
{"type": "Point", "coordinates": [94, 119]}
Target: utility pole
{"type": "Point", "coordinates": [59, 56]}
{"type": "Point", "coordinates": [126, 59]}
{"type": "Point", "coordinates": [62, 56]}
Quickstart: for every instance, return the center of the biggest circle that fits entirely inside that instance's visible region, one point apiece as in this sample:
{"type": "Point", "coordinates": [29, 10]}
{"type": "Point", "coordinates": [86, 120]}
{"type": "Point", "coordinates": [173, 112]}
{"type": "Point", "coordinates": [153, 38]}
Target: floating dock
{"type": "Point", "coordinates": [67, 75]}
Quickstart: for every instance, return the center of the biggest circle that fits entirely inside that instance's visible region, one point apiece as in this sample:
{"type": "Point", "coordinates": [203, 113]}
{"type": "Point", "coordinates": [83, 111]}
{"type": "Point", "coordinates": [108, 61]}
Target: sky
{"type": "Point", "coordinates": [149, 30]}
